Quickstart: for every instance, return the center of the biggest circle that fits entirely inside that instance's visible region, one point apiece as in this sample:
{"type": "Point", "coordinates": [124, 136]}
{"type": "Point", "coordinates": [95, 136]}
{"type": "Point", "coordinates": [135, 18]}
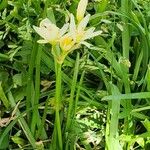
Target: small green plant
{"type": "Point", "coordinates": [64, 41]}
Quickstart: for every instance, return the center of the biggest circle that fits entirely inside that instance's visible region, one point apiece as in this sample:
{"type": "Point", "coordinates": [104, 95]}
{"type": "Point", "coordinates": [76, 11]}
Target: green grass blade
{"type": "Point", "coordinates": [113, 140]}
{"type": "Point", "coordinates": [71, 99]}
{"type": "Point", "coordinates": [30, 88]}
{"type": "Point", "coordinates": [141, 95]}
{"type": "Point", "coordinates": [23, 123]}
{"type": "Point", "coordinates": [37, 91]}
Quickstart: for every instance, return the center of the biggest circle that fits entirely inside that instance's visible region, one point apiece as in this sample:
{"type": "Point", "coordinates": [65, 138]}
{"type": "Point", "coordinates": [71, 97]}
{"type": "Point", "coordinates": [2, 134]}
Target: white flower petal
{"type": "Point", "coordinates": [88, 33]}
{"type": "Point", "coordinates": [72, 26]}
{"type": "Point", "coordinates": [45, 23]}
{"type": "Point", "coordinates": [82, 25]}
{"type": "Point", "coordinates": [53, 28]}
{"type": "Point", "coordinates": [44, 33]}
{"type": "Point", "coordinates": [90, 30]}
{"type": "Point", "coordinates": [93, 35]}
{"type": "Point", "coordinates": [81, 9]}
{"type": "Point", "coordinates": [64, 29]}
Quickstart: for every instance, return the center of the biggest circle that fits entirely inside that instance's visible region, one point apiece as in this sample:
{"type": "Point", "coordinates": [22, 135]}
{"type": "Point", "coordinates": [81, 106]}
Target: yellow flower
{"type": "Point", "coordinates": [66, 42]}
{"type": "Point", "coordinates": [50, 32]}
{"type": "Point", "coordinates": [81, 9]}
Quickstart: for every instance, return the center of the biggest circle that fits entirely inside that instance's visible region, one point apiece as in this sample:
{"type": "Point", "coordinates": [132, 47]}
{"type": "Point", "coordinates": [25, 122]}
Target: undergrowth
{"type": "Point", "coordinates": [98, 98]}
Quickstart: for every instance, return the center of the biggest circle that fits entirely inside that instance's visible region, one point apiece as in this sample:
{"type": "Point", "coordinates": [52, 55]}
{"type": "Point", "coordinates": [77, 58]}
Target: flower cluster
{"type": "Point", "coordinates": [71, 35]}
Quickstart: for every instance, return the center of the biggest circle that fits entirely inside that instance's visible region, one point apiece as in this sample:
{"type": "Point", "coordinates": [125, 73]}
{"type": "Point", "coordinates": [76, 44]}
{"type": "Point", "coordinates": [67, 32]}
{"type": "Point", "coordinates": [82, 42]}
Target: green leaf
{"type": "Point", "coordinates": [50, 15]}
{"type": "Point", "coordinates": [5, 142]}
{"type": "Point", "coordinates": [3, 4]}
{"type": "Point", "coordinates": [3, 97]}
{"type": "Point", "coordinates": [17, 79]}
{"type": "Point", "coordinates": [18, 140]}
{"type": "Point", "coordinates": [146, 124]}
{"type": "Point", "coordinates": [140, 141]}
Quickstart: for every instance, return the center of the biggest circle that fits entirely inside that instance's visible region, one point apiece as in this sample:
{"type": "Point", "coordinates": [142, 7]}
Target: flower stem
{"type": "Point", "coordinates": [58, 103]}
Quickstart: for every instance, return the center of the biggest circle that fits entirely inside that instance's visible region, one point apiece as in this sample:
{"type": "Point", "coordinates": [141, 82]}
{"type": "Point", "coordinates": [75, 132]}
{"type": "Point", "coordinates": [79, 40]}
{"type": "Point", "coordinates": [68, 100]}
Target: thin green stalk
{"type": "Point", "coordinates": [57, 133]}
{"type": "Point", "coordinates": [50, 64]}
{"type": "Point", "coordinates": [71, 100]}
{"type": "Point", "coordinates": [125, 33]}
{"type": "Point", "coordinates": [137, 67]}
{"type": "Point", "coordinates": [58, 104]}
{"type": "Point", "coordinates": [125, 41]}
{"type": "Point", "coordinates": [70, 115]}
{"type": "Point", "coordinates": [53, 144]}
{"type": "Point", "coordinates": [78, 93]}
{"type": "Point", "coordinates": [76, 102]}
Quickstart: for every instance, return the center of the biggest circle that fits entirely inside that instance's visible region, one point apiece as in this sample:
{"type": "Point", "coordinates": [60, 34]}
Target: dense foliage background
{"type": "Point", "coordinates": [112, 90]}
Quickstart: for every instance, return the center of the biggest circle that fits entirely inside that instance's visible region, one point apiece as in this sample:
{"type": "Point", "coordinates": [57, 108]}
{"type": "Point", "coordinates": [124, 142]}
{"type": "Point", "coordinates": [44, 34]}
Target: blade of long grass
{"type": "Point", "coordinates": [141, 109]}
{"type": "Point", "coordinates": [137, 66]}
{"type": "Point", "coordinates": [78, 92]}
{"type": "Point", "coordinates": [30, 79]}
{"type": "Point", "coordinates": [125, 7]}
{"type": "Point", "coordinates": [41, 126]}
{"type": "Point", "coordinates": [146, 38]}
{"type": "Point", "coordinates": [113, 131]}
{"type": "Point", "coordinates": [139, 115]}
{"type": "Point", "coordinates": [147, 77]}
{"type": "Point", "coordinates": [22, 122]}
{"type": "Point", "coordinates": [126, 33]}
{"type": "Point", "coordinates": [12, 123]}
{"type": "Point", "coordinates": [37, 91]}
{"type": "Point", "coordinates": [140, 95]}
{"type": "Point", "coordinates": [4, 56]}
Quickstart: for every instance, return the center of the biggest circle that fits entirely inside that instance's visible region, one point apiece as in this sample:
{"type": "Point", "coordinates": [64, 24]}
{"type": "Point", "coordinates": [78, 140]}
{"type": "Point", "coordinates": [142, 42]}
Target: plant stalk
{"type": "Point", "coordinates": [58, 104]}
